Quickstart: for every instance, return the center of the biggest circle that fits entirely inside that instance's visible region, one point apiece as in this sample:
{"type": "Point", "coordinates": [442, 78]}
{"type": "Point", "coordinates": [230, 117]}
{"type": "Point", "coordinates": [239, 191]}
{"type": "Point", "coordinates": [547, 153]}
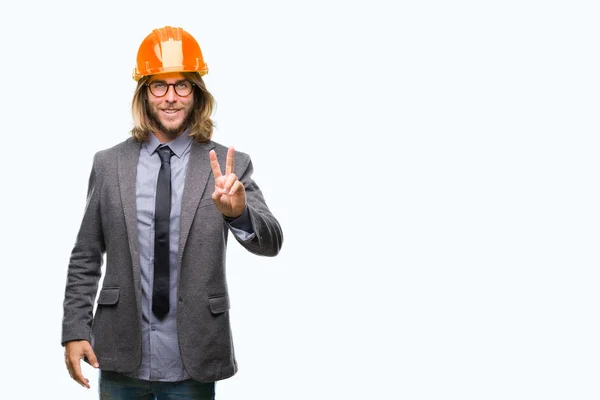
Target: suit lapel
{"type": "Point", "coordinates": [127, 160]}
{"type": "Point", "coordinates": [198, 172]}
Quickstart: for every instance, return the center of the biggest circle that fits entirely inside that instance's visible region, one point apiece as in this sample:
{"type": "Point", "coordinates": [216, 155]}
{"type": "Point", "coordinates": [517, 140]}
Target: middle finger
{"type": "Point", "coordinates": [229, 161]}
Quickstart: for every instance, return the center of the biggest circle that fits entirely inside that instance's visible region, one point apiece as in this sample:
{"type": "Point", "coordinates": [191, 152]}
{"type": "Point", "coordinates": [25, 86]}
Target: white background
{"type": "Point", "coordinates": [434, 166]}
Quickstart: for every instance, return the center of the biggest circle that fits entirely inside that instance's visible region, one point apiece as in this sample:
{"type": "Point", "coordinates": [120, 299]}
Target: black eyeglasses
{"type": "Point", "coordinates": [160, 88]}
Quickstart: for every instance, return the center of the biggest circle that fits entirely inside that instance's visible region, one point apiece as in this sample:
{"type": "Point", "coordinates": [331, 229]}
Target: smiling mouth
{"type": "Point", "coordinates": [170, 111]}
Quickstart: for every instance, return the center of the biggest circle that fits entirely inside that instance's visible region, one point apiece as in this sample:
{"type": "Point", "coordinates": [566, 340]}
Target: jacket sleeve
{"type": "Point", "coordinates": [84, 268]}
{"type": "Point", "coordinates": [267, 238]}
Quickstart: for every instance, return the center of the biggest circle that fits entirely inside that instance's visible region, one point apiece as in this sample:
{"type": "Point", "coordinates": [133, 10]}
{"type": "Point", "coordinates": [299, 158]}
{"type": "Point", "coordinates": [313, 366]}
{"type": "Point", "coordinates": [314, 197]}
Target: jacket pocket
{"type": "Point", "coordinates": [206, 203]}
{"type": "Point", "coordinates": [218, 304]}
{"type": "Point", "coordinates": [109, 296]}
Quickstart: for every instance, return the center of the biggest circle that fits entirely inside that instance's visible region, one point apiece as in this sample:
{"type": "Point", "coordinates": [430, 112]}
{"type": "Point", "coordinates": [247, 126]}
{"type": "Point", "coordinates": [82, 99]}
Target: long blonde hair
{"type": "Point", "coordinates": [201, 125]}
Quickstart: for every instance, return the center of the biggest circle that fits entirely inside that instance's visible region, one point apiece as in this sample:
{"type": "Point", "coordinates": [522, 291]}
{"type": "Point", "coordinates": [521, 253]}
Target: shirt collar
{"type": "Point", "coordinates": [178, 146]}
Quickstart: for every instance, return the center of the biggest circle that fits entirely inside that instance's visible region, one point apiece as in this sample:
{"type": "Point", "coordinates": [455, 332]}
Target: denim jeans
{"type": "Point", "coordinates": [115, 386]}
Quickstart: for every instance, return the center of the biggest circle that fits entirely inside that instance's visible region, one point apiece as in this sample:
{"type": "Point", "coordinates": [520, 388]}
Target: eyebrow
{"type": "Point", "coordinates": [164, 81]}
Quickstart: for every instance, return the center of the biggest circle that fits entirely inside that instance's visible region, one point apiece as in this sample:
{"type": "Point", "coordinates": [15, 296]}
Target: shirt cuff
{"type": "Point", "coordinates": [242, 223]}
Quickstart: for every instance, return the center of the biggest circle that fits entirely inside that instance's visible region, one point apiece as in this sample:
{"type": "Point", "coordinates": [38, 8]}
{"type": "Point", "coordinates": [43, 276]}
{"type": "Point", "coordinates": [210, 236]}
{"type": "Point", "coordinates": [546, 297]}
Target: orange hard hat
{"type": "Point", "coordinates": [169, 49]}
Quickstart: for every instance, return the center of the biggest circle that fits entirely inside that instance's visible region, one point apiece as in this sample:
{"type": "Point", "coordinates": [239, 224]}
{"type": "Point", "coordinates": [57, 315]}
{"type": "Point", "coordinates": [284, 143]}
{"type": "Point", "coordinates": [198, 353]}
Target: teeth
{"type": "Point", "coordinates": [170, 111]}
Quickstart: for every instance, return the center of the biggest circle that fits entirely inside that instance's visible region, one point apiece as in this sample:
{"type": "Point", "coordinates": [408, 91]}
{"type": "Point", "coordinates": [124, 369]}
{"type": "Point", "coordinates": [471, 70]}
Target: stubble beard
{"type": "Point", "coordinates": [171, 133]}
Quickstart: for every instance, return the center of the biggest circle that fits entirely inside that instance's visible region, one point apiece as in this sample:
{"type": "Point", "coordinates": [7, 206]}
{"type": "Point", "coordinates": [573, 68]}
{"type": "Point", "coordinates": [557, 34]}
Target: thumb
{"type": "Point", "coordinates": [91, 356]}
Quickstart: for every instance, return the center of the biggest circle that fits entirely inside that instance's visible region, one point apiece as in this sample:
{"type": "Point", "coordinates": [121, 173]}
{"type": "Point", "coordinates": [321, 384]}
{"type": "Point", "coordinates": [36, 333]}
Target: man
{"type": "Point", "coordinates": [160, 206]}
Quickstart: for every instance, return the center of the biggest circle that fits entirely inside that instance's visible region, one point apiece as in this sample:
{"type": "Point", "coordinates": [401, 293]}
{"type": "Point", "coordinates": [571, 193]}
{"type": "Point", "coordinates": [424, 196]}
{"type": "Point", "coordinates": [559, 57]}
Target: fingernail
{"type": "Point", "coordinates": [96, 365]}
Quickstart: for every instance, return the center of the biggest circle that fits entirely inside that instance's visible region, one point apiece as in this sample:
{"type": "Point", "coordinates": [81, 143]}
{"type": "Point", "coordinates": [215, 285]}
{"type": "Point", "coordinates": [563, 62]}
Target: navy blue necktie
{"type": "Point", "coordinates": [162, 217]}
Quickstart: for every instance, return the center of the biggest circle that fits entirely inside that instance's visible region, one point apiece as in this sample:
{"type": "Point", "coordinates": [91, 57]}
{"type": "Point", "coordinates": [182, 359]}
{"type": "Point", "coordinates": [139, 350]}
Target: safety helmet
{"type": "Point", "coordinates": [169, 49]}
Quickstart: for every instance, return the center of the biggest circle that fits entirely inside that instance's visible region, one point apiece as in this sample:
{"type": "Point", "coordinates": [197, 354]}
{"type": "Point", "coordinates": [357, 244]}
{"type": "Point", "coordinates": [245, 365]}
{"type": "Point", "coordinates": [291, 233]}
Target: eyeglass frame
{"type": "Point", "coordinates": [174, 87]}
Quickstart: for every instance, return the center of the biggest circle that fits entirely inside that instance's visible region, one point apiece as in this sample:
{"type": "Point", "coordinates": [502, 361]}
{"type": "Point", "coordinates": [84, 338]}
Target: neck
{"type": "Point", "coordinates": [166, 137]}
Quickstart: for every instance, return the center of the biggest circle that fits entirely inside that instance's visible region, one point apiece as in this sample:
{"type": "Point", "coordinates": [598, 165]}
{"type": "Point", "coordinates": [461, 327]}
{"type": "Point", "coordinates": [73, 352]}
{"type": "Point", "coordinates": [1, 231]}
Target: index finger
{"type": "Point", "coordinates": [229, 161]}
{"type": "Point", "coordinates": [214, 164]}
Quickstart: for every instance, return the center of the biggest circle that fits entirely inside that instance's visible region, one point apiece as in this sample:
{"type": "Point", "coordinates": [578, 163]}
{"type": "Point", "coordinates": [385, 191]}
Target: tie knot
{"type": "Point", "coordinates": [165, 153]}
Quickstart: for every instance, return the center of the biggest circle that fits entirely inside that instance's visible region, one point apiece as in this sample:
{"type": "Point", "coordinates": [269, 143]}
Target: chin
{"type": "Point", "coordinates": [171, 124]}
{"type": "Point", "coordinates": [173, 127]}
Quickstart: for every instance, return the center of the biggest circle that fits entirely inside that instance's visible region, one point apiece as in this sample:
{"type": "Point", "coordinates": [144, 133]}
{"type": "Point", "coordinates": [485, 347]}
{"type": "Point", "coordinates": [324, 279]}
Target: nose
{"type": "Point", "coordinates": [171, 96]}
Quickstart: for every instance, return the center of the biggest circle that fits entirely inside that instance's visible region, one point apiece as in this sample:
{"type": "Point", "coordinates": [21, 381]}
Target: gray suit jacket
{"type": "Point", "coordinates": [109, 227]}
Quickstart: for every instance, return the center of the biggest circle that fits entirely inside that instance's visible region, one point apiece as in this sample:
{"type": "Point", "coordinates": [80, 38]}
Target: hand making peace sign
{"type": "Point", "coordinates": [229, 196]}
